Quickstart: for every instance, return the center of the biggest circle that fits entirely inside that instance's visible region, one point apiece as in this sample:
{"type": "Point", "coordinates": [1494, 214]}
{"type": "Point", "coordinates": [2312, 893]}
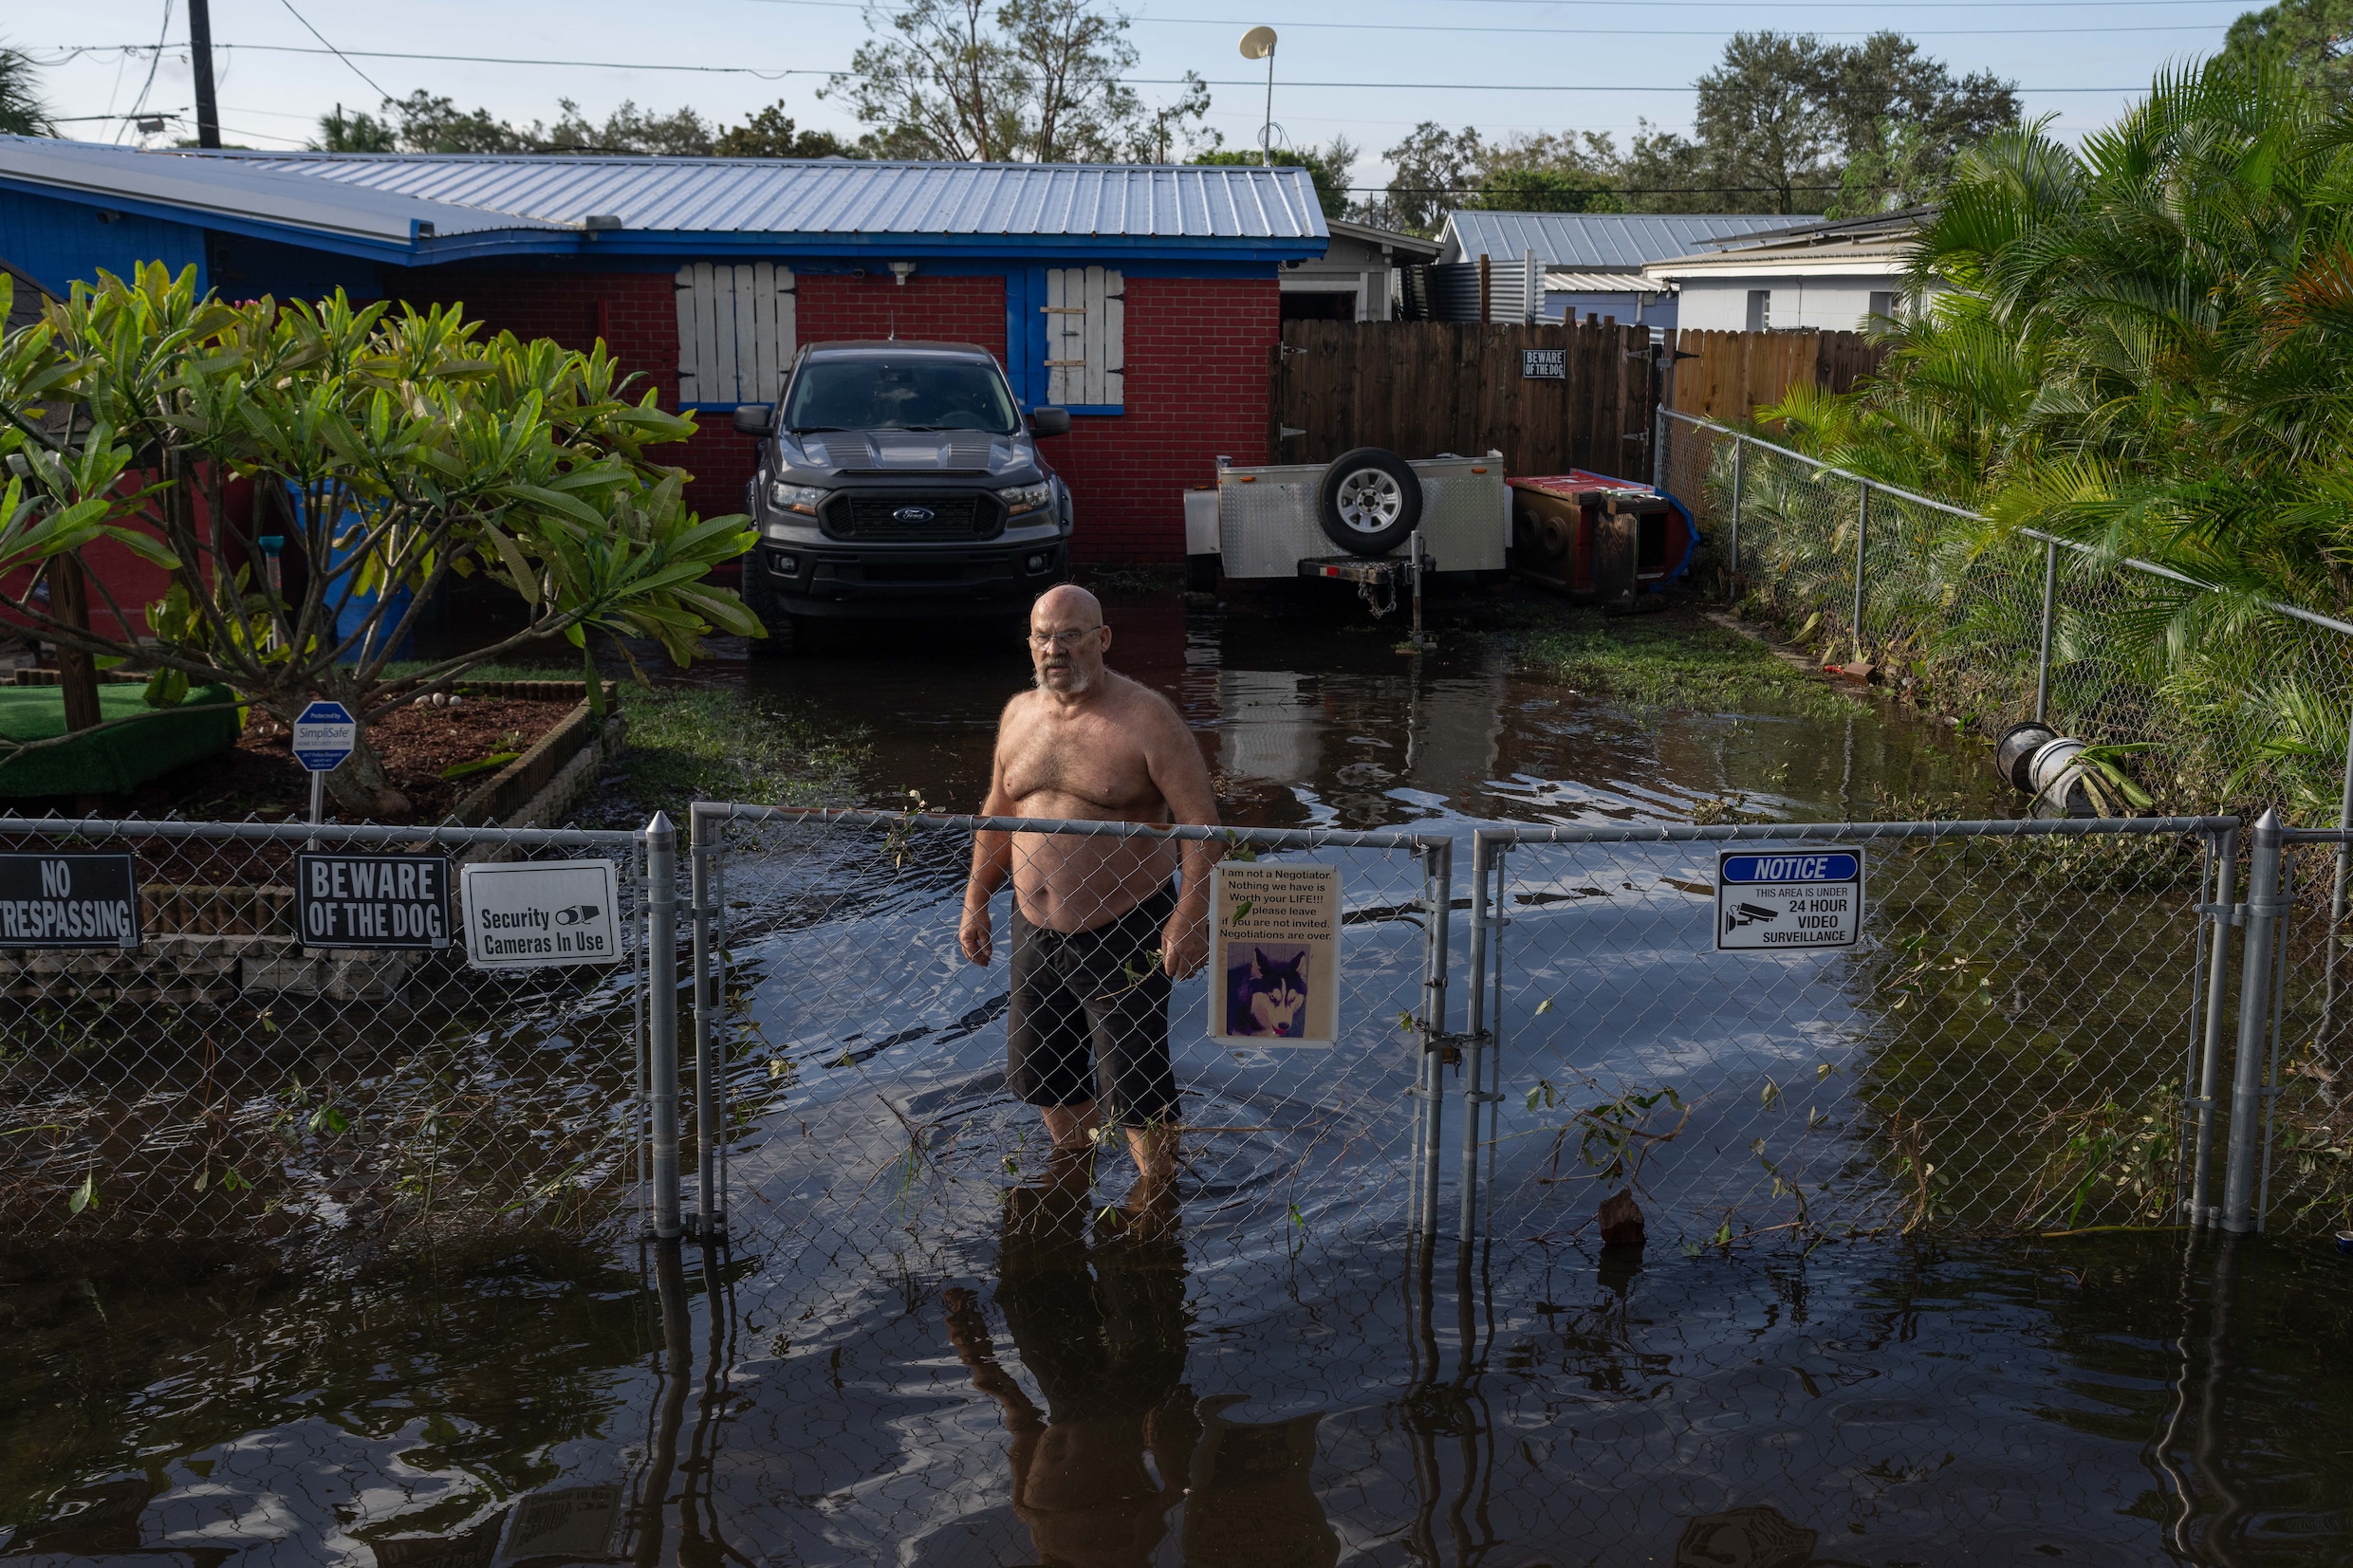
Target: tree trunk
{"type": "Point", "coordinates": [364, 789]}
{"type": "Point", "coordinates": [77, 675]}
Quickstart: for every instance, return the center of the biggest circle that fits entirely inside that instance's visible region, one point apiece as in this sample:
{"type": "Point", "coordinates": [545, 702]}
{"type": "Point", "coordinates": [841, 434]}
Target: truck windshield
{"type": "Point", "coordinates": [910, 393]}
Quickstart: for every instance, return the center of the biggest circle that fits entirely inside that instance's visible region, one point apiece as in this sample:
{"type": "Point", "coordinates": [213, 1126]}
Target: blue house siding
{"type": "Point", "coordinates": [63, 243]}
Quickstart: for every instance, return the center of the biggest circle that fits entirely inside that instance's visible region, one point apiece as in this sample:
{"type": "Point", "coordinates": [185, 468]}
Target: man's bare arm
{"type": "Point", "coordinates": [1182, 778]}
{"type": "Point", "coordinates": [993, 855]}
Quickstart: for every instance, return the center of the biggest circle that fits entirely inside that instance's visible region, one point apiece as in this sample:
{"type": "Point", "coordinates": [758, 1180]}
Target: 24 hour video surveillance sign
{"type": "Point", "coordinates": [1775, 901]}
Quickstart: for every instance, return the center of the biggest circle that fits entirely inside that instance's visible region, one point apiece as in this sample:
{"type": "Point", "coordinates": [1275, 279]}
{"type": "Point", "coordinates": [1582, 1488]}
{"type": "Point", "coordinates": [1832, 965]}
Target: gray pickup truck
{"type": "Point", "coordinates": [900, 480]}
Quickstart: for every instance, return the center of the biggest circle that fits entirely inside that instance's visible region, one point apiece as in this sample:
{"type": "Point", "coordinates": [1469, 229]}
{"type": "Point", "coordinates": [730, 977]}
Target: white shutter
{"type": "Point", "coordinates": [735, 331]}
{"type": "Point", "coordinates": [1086, 337]}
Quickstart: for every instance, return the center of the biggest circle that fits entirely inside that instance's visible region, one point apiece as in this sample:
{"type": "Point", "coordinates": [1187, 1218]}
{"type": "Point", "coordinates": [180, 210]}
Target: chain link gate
{"type": "Point", "coordinates": [859, 1123]}
{"type": "Point", "coordinates": [2028, 1035]}
{"type": "Point", "coordinates": [225, 1077]}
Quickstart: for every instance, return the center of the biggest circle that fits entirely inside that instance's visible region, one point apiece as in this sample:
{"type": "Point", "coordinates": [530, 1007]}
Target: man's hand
{"type": "Point", "coordinates": [1184, 945]}
{"type": "Point", "coordinates": [975, 935]}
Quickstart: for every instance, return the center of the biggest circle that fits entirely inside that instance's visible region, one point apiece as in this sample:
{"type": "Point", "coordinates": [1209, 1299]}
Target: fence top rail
{"type": "Point", "coordinates": [1621, 833]}
{"type": "Point", "coordinates": [2150, 568]}
{"type": "Point", "coordinates": [1256, 837]}
{"type": "Point", "coordinates": [340, 833]}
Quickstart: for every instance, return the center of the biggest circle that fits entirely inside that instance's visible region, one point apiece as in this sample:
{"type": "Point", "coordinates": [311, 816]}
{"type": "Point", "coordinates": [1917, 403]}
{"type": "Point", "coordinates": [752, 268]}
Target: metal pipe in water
{"type": "Point", "coordinates": [661, 983]}
{"type": "Point", "coordinates": [2209, 1054]}
{"type": "Point", "coordinates": [1474, 1072]}
{"type": "Point", "coordinates": [710, 1203]}
{"type": "Point", "coordinates": [2254, 1018]}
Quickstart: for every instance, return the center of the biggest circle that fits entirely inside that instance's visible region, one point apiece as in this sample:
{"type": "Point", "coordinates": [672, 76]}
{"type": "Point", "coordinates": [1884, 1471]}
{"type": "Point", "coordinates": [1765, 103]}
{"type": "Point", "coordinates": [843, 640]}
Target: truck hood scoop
{"type": "Point", "coordinates": [909, 451]}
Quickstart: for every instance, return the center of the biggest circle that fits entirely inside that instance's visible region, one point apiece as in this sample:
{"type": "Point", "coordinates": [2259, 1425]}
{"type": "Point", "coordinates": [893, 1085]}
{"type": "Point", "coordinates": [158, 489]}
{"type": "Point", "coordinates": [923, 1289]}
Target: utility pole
{"type": "Point", "coordinates": [200, 56]}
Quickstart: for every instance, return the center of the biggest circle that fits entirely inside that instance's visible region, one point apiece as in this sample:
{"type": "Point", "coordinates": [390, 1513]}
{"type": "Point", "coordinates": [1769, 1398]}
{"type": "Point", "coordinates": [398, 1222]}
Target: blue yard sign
{"type": "Point", "coordinates": [324, 734]}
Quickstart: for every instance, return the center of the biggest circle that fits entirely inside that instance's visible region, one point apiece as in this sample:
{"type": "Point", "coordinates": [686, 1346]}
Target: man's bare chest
{"type": "Point", "coordinates": [1093, 762]}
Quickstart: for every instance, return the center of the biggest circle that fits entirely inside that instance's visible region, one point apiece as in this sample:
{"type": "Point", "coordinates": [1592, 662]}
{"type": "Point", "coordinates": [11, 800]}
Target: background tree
{"type": "Point", "coordinates": [1020, 80]}
{"type": "Point", "coordinates": [1330, 167]}
{"type": "Point", "coordinates": [2307, 37]}
{"type": "Point", "coordinates": [771, 133]}
{"type": "Point", "coordinates": [389, 450]}
{"type": "Point", "coordinates": [22, 110]}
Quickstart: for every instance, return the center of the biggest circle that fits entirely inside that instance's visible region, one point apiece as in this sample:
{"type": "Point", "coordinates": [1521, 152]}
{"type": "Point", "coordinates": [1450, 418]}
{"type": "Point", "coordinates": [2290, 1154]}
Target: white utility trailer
{"type": "Point", "coordinates": [1358, 519]}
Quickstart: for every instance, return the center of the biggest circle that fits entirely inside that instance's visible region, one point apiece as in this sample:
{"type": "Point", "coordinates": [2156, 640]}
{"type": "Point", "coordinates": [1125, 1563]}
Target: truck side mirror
{"type": "Point", "coordinates": [1049, 421]}
{"type": "Point", "coordinates": [754, 418]}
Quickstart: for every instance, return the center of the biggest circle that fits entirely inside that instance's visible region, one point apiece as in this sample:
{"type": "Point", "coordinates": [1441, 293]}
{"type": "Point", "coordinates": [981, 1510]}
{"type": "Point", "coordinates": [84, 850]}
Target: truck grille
{"type": "Point", "coordinates": [885, 517]}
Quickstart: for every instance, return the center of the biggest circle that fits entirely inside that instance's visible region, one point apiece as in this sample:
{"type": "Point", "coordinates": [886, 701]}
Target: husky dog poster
{"type": "Point", "coordinates": [1274, 954]}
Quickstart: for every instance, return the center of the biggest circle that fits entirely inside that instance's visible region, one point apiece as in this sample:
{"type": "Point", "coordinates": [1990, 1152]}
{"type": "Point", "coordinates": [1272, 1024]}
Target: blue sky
{"type": "Point", "coordinates": [1603, 65]}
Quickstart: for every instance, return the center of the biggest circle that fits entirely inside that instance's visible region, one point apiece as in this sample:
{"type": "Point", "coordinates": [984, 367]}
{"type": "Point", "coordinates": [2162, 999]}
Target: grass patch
{"type": "Point", "coordinates": [1676, 658]}
{"type": "Point", "coordinates": [704, 743]}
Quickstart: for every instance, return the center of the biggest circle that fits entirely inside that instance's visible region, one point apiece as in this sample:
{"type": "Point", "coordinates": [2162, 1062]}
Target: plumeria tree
{"type": "Point", "coordinates": [388, 448]}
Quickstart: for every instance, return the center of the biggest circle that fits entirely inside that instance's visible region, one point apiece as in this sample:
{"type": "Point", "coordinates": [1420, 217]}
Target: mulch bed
{"type": "Point", "coordinates": [259, 777]}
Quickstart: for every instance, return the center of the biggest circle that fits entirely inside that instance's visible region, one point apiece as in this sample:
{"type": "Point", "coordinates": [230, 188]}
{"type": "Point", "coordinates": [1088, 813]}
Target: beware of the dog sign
{"type": "Point", "coordinates": [1767, 900]}
{"type": "Point", "coordinates": [372, 900]}
{"type": "Point", "coordinates": [1274, 954]}
{"type": "Point", "coordinates": [522, 916]}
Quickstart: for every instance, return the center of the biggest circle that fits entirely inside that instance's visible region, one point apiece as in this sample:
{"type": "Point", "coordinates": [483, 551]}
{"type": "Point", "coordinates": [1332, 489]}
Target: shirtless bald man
{"type": "Point", "coordinates": [1091, 916]}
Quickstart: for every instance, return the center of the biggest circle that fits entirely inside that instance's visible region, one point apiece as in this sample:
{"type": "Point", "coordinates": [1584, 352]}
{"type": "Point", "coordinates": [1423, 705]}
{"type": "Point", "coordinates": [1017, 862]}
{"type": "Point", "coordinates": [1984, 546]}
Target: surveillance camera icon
{"type": "Point", "coordinates": [574, 914]}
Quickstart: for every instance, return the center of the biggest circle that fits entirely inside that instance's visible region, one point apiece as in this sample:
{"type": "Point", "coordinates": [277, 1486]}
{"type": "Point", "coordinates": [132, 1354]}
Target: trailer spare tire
{"type": "Point", "coordinates": [1370, 501]}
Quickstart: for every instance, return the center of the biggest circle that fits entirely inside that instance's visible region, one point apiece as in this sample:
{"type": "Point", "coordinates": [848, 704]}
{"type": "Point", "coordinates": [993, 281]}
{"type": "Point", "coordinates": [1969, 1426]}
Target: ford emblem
{"type": "Point", "coordinates": [912, 514]}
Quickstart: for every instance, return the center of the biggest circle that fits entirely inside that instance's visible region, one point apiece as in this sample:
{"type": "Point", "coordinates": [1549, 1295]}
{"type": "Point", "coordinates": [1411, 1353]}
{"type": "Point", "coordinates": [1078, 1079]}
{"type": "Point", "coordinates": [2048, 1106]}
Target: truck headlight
{"type": "Point", "coordinates": [1027, 498]}
{"type": "Point", "coordinates": [804, 499]}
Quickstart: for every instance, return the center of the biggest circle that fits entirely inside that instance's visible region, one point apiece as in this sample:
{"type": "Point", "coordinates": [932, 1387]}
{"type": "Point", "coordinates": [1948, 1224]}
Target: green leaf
{"type": "Point", "coordinates": [85, 1197]}
{"type": "Point", "coordinates": [480, 765]}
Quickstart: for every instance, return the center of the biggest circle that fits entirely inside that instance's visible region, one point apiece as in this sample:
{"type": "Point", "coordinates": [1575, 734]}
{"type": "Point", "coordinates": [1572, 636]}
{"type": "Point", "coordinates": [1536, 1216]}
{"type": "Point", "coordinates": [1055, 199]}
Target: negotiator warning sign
{"type": "Point", "coordinates": [372, 900]}
{"type": "Point", "coordinates": [522, 915]}
{"type": "Point", "coordinates": [1810, 899]}
{"type": "Point", "coordinates": [1274, 954]}
{"type": "Point", "coordinates": [68, 901]}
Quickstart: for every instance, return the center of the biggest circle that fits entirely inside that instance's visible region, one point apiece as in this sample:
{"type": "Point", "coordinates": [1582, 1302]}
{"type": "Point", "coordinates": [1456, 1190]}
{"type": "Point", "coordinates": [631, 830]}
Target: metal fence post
{"type": "Point", "coordinates": [1863, 530]}
{"type": "Point", "coordinates": [2042, 660]}
{"type": "Point", "coordinates": [710, 1202]}
{"type": "Point", "coordinates": [661, 983]}
{"type": "Point", "coordinates": [2209, 1069]}
{"type": "Point", "coordinates": [1658, 449]}
{"type": "Point", "coordinates": [1740, 449]}
{"type": "Point", "coordinates": [1429, 1122]}
{"type": "Point", "coordinates": [2264, 908]}
{"type": "Point", "coordinates": [1486, 860]}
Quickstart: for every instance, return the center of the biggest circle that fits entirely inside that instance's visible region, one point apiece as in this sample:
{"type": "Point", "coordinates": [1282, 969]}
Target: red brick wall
{"type": "Point", "coordinates": [1197, 387]}
{"type": "Point", "coordinates": [958, 310]}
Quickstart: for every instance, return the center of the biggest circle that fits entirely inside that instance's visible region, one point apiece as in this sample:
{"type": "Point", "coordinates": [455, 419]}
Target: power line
{"type": "Point", "coordinates": [331, 49]}
{"type": "Point", "coordinates": [1651, 33]}
{"type": "Point", "coordinates": [776, 74]}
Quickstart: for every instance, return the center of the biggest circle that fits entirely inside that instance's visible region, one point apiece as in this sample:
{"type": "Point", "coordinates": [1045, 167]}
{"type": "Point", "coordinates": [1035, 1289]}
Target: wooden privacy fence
{"type": "Point", "coordinates": [1420, 388]}
{"type": "Point", "coordinates": [1733, 372]}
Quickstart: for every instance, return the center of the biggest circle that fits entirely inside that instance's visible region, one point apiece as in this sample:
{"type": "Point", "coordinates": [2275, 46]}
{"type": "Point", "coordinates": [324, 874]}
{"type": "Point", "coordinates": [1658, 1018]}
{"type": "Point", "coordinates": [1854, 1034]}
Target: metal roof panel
{"type": "Point", "coordinates": [1594, 241]}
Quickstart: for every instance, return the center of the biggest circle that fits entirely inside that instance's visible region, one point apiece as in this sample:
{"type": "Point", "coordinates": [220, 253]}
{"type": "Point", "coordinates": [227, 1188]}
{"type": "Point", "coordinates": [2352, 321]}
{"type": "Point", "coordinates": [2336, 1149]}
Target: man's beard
{"type": "Point", "coordinates": [1080, 679]}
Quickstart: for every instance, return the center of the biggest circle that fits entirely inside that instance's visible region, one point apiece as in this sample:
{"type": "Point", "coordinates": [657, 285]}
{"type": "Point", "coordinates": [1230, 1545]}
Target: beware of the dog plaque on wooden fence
{"type": "Point", "coordinates": [1274, 954]}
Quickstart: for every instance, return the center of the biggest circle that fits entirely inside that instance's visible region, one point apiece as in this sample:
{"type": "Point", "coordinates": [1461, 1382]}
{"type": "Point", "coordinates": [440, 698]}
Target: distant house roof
{"type": "Point", "coordinates": [1594, 241]}
{"type": "Point", "coordinates": [1559, 282]}
{"type": "Point", "coordinates": [1878, 246]}
{"type": "Point", "coordinates": [1405, 246]}
{"type": "Point", "coordinates": [439, 206]}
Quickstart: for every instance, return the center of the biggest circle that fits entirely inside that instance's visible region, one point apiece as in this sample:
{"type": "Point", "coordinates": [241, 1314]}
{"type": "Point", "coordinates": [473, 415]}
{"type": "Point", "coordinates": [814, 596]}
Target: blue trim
{"type": "Point", "coordinates": [1100, 410]}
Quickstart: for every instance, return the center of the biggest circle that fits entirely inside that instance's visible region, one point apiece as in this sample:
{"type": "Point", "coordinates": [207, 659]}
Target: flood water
{"type": "Point", "coordinates": [963, 1363]}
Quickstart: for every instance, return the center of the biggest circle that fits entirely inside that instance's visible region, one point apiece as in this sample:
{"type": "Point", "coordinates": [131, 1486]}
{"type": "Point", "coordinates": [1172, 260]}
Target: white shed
{"type": "Point", "coordinates": [1824, 277]}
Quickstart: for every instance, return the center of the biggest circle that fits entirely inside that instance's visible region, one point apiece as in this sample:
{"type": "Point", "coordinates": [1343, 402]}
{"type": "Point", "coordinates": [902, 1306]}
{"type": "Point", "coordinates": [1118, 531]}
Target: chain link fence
{"type": "Point", "coordinates": [890, 1105]}
{"type": "Point", "coordinates": [237, 1063]}
{"type": "Point", "coordinates": [2013, 1042]}
{"type": "Point", "coordinates": [2221, 698]}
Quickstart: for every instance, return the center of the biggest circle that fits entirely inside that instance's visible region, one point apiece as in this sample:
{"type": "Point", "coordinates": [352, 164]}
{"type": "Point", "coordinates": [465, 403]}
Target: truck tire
{"type": "Point", "coordinates": [1370, 501]}
{"type": "Point", "coordinates": [761, 601]}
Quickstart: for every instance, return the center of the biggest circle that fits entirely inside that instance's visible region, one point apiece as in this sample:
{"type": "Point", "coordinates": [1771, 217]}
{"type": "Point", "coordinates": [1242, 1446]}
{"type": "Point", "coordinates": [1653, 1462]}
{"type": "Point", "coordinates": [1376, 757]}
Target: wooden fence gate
{"type": "Point", "coordinates": [1420, 388]}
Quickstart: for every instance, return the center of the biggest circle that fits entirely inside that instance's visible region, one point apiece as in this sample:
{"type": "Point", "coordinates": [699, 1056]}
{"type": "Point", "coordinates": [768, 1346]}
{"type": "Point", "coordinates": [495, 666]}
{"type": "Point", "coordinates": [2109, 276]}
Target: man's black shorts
{"type": "Point", "coordinates": [1098, 994]}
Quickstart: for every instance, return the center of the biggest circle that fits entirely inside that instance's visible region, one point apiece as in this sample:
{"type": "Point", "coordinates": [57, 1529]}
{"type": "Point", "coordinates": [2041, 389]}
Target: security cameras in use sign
{"type": "Point", "coordinates": [372, 900]}
{"type": "Point", "coordinates": [528, 913]}
{"type": "Point", "coordinates": [68, 901]}
{"type": "Point", "coordinates": [1772, 900]}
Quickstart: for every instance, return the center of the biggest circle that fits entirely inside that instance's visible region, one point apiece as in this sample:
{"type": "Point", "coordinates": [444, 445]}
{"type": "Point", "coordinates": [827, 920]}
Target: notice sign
{"type": "Point", "coordinates": [372, 900]}
{"type": "Point", "coordinates": [522, 915]}
{"type": "Point", "coordinates": [1543, 365]}
{"type": "Point", "coordinates": [68, 901]}
{"type": "Point", "coordinates": [1274, 954]}
{"type": "Point", "coordinates": [1813, 900]}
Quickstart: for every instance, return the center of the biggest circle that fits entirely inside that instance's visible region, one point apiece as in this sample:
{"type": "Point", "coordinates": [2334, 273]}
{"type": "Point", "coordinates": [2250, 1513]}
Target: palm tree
{"type": "Point", "coordinates": [21, 111]}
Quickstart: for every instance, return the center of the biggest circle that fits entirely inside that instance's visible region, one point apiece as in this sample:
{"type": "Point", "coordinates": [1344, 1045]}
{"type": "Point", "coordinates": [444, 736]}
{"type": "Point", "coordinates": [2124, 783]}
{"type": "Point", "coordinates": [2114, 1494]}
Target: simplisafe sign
{"type": "Point", "coordinates": [521, 917]}
{"type": "Point", "coordinates": [1763, 902]}
{"type": "Point", "coordinates": [68, 901]}
{"type": "Point", "coordinates": [372, 900]}
{"type": "Point", "coordinates": [324, 734]}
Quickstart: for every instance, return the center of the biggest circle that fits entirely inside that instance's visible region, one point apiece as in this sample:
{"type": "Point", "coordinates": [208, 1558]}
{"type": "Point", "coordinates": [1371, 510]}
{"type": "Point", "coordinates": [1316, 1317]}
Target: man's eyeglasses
{"type": "Point", "coordinates": [1044, 641]}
